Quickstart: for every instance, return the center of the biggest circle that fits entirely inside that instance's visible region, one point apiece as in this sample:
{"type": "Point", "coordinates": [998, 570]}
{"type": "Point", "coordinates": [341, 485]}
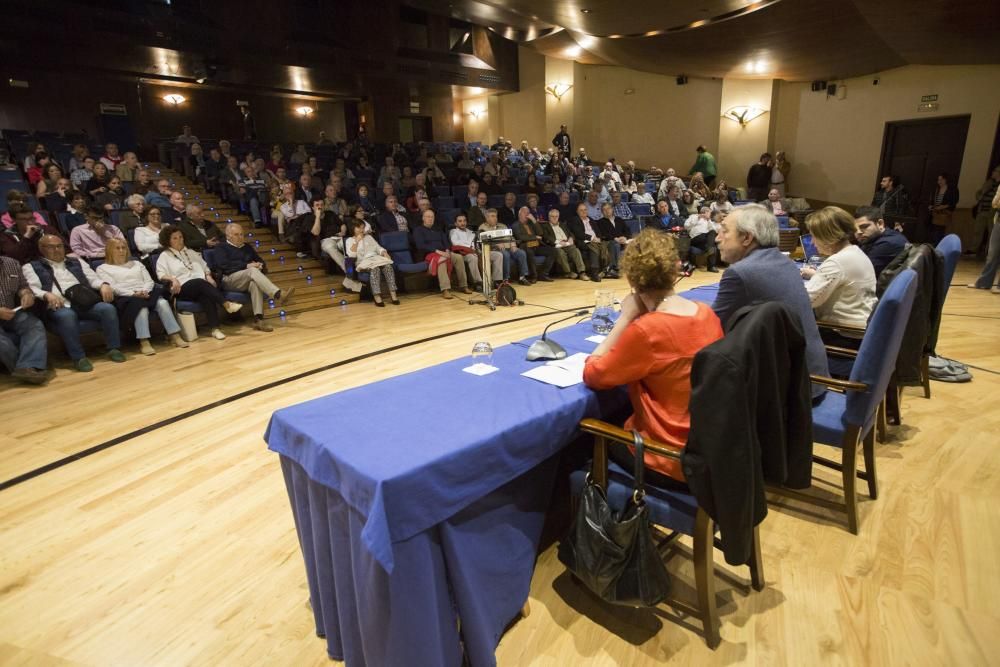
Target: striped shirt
{"type": "Point", "coordinates": [12, 283]}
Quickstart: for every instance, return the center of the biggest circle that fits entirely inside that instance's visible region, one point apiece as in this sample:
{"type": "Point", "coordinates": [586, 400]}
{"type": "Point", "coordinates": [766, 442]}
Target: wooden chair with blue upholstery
{"type": "Point", "coordinates": [673, 513]}
{"type": "Point", "coordinates": [847, 415]}
{"type": "Point", "coordinates": [397, 244]}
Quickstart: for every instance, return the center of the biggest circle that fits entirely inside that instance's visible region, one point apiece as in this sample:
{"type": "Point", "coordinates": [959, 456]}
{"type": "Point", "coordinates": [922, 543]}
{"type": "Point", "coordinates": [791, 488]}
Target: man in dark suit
{"type": "Point", "coordinates": [391, 219]}
{"type": "Point", "coordinates": [476, 215]}
{"type": "Point", "coordinates": [304, 190]}
{"type": "Point", "coordinates": [758, 271]}
{"type": "Point", "coordinates": [759, 179]}
{"type": "Point", "coordinates": [508, 212]}
{"type": "Point", "coordinates": [879, 242]}
{"type": "Point", "coordinates": [585, 236]}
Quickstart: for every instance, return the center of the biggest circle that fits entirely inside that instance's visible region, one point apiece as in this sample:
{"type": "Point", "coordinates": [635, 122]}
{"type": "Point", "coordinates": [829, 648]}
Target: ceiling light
{"type": "Point", "coordinates": [304, 111]}
{"type": "Point", "coordinates": [586, 11]}
{"type": "Point", "coordinates": [573, 51]}
{"type": "Point", "coordinates": [174, 98]}
{"type": "Point", "coordinates": [743, 114]}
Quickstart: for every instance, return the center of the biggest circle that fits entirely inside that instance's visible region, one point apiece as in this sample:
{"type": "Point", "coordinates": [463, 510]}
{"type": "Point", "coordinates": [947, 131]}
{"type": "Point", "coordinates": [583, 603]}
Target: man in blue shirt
{"type": "Point", "coordinates": [879, 242]}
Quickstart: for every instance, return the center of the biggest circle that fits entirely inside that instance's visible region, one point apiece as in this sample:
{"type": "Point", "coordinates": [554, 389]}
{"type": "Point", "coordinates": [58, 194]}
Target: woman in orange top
{"type": "Point", "coordinates": [651, 348]}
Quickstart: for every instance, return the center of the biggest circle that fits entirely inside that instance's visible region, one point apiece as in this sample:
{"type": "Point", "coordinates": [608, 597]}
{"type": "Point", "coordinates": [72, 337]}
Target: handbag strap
{"type": "Point", "coordinates": [639, 492]}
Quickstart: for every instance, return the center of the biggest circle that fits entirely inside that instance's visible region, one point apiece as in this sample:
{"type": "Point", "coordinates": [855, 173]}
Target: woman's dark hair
{"type": "Point", "coordinates": [166, 233]}
{"type": "Point", "coordinates": [944, 174]}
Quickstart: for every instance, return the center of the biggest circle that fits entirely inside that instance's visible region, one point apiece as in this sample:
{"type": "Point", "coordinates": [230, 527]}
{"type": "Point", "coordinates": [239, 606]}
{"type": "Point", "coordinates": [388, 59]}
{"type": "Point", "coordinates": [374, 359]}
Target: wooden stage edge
{"type": "Point", "coordinates": [177, 545]}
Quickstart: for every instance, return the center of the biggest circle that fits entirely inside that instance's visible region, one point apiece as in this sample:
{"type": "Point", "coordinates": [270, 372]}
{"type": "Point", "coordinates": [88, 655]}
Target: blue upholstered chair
{"type": "Point", "coordinates": [639, 209]}
{"type": "Point", "coordinates": [444, 201]}
{"type": "Point", "coordinates": [676, 511]}
{"type": "Point", "coordinates": [398, 245]}
{"type": "Point", "coordinates": [634, 225]}
{"type": "Point", "coordinates": [847, 415]}
{"type": "Point", "coordinates": [208, 254]}
{"type": "Point", "coordinates": [950, 248]}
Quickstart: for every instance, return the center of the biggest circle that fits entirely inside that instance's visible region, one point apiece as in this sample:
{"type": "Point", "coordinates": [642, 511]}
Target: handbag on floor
{"type": "Point", "coordinates": [613, 553]}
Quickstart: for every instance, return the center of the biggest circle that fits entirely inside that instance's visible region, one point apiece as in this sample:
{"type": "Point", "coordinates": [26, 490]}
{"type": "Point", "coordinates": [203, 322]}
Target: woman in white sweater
{"type": "Point", "coordinates": [190, 278]}
{"type": "Point", "coordinates": [147, 237]}
{"type": "Point", "coordinates": [370, 256]}
{"type": "Point", "coordinates": [842, 289]}
{"type": "Point", "coordinates": [135, 292]}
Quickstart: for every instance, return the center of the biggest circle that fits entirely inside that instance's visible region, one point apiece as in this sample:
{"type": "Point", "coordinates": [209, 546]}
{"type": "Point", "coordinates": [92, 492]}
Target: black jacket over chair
{"type": "Point", "coordinates": [925, 318]}
{"type": "Point", "coordinates": [751, 421]}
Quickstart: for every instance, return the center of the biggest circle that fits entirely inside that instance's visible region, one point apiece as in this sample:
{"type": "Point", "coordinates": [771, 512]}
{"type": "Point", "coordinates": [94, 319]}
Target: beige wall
{"type": "Point", "coordinates": [741, 145]}
{"type": "Point", "coordinates": [835, 144]}
{"type": "Point", "coordinates": [476, 128]}
{"type": "Point", "coordinates": [522, 114]}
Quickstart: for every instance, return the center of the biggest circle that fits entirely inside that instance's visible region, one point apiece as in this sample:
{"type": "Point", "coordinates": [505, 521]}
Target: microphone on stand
{"type": "Point", "coordinates": [549, 349]}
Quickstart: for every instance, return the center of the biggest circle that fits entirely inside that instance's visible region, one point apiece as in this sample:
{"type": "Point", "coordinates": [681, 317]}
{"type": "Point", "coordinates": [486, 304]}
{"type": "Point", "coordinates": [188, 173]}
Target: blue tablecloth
{"type": "Point", "coordinates": [703, 293]}
{"type": "Point", "coordinates": [420, 498]}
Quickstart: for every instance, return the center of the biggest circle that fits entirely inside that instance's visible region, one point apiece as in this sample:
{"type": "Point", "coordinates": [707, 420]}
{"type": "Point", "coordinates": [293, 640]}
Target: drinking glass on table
{"type": "Point", "coordinates": [603, 319]}
{"type": "Point", "coordinates": [482, 353]}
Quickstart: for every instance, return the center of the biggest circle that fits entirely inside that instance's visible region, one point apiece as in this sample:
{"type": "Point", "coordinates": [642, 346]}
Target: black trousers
{"type": "Point", "coordinates": [756, 194]}
{"type": "Point", "coordinates": [206, 294]}
{"type": "Point", "coordinates": [705, 243]}
{"type": "Point", "coordinates": [624, 457]}
{"type": "Point", "coordinates": [545, 251]}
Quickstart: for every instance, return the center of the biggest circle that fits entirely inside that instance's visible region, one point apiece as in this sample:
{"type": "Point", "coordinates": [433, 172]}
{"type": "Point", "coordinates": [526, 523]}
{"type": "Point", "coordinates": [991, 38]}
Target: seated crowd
{"type": "Point", "coordinates": [134, 242]}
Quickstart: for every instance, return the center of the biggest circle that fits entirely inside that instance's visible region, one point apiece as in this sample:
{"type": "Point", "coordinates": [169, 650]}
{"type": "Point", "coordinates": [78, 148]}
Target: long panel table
{"type": "Point", "coordinates": [419, 502]}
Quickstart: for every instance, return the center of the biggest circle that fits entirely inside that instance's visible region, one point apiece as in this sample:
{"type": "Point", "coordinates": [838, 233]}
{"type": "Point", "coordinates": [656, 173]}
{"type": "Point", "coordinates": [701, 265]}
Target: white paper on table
{"type": "Point", "coordinates": [480, 369]}
{"type": "Point", "coordinates": [596, 338]}
{"type": "Point", "coordinates": [560, 372]}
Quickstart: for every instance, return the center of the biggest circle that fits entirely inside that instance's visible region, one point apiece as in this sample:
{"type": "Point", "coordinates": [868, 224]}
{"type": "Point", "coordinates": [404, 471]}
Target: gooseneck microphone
{"type": "Point", "coordinates": [544, 348]}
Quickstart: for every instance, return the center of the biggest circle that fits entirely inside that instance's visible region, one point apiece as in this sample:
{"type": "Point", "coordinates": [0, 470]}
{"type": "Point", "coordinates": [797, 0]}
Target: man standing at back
{"type": "Point", "coordinates": [758, 271]}
{"type": "Point", "coordinates": [879, 242]}
{"type": "Point", "coordinates": [705, 163]}
{"type": "Point", "coordinates": [562, 141]}
{"type": "Point", "coordinates": [759, 179]}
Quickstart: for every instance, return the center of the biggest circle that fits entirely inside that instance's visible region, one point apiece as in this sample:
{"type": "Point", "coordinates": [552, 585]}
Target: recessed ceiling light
{"type": "Point", "coordinates": [586, 11]}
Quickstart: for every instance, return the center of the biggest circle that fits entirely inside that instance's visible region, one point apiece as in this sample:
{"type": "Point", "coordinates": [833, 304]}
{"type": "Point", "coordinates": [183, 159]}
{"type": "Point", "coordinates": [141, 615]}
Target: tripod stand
{"type": "Point", "coordinates": [489, 294]}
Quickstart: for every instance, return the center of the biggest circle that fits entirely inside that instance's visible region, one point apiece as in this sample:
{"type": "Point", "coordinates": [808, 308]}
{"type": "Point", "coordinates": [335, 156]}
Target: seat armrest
{"type": "Point", "coordinates": [842, 351]}
{"type": "Point", "coordinates": [841, 386]}
{"type": "Point", "coordinates": [843, 327]}
{"type": "Point", "coordinates": [614, 433]}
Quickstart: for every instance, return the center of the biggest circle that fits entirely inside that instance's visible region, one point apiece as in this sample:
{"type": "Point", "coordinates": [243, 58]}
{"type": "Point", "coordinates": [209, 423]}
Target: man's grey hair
{"type": "Point", "coordinates": [757, 221]}
{"type": "Point", "coordinates": [235, 226]}
{"type": "Point", "coordinates": [191, 207]}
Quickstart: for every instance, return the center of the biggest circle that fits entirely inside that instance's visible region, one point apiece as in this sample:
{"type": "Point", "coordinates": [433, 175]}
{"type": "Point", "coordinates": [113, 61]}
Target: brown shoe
{"type": "Point", "coordinates": [286, 296]}
{"type": "Point", "coordinates": [446, 294]}
{"type": "Point", "coordinates": [466, 290]}
{"type": "Point", "coordinates": [261, 325]}
{"type": "Point", "coordinates": [30, 375]}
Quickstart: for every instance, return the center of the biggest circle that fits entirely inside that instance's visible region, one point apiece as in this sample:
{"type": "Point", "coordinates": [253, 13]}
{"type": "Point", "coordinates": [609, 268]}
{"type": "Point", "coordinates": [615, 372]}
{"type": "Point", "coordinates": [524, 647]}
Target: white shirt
{"type": "Point", "coordinates": [725, 207]}
{"type": "Point", "coordinates": [147, 239]}
{"type": "Point", "coordinates": [667, 182]}
{"type": "Point", "coordinates": [644, 198]}
{"type": "Point", "coordinates": [561, 239]}
{"type": "Point", "coordinates": [126, 279]}
{"type": "Point", "coordinates": [294, 210]}
{"type": "Point", "coordinates": [843, 288]}
{"type": "Point", "coordinates": [463, 237]}
{"type": "Point", "coordinates": [185, 265]}
{"type": "Point", "coordinates": [697, 225]}
{"type": "Point", "coordinates": [62, 276]}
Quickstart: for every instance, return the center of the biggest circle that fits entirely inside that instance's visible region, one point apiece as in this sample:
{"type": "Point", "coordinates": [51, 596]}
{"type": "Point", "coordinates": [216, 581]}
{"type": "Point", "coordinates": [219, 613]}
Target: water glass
{"type": "Point", "coordinates": [603, 319]}
{"type": "Point", "coordinates": [482, 353]}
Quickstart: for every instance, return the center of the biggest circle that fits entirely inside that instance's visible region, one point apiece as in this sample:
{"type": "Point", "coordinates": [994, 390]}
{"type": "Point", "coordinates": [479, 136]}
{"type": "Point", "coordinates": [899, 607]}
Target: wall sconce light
{"type": "Point", "coordinates": [304, 111]}
{"type": "Point", "coordinates": [743, 114]}
{"type": "Point", "coordinates": [174, 98]}
{"type": "Point", "coordinates": [476, 113]}
{"type": "Point", "coordinates": [557, 90]}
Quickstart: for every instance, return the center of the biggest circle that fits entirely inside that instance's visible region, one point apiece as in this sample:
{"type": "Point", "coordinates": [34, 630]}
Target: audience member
{"type": "Point", "coordinates": [161, 196]}
{"type": "Point", "coordinates": [891, 197]}
{"type": "Point", "coordinates": [99, 182]}
{"type": "Point", "coordinates": [199, 233]}
{"type": "Point", "coordinates": [511, 253]}
{"type": "Point", "coordinates": [132, 216]}
{"type": "Point", "coordinates": [989, 272]}
{"type": "Point", "coordinates": [842, 289]}
{"type": "Point", "coordinates": [614, 232]}
{"type": "Point", "coordinates": [83, 173]}
{"type": "Point", "coordinates": [721, 202]}
{"type": "Point", "coordinates": [594, 251]}
{"type": "Point", "coordinates": [775, 204]}
{"type": "Point", "coordinates": [75, 213]}
{"type": "Point", "coordinates": [702, 231]}
{"type": "Point", "coordinates": [243, 270]}
{"type": "Point", "coordinates": [463, 242]}
{"type": "Point", "coordinates": [186, 137]}
{"type": "Point", "coordinates": [567, 254]}
{"type": "Point", "coordinates": [16, 198]}
{"type": "Point", "coordinates": [111, 158]}
{"type": "Point", "coordinates": [23, 343]}
{"type": "Point", "coordinates": [370, 256]}
{"type": "Point", "coordinates": [942, 207]}
{"type": "Point", "coordinates": [433, 246]}
{"type": "Point", "coordinates": [190, 279]}
{"type": "Point", "coordinates": [128, 169]}
{"type": "Point", "coordinates": [147, 236]}
{"type": "Point", "coordinates": [20, 242]}
{"type": "Point", "coordinates": [641, 196]}
{"type": "Point", "coordinates": [651, 349]}
{"type": "Point", "coordinates": [759, 179]}
{"type": "Point", "coordinates": [563, 143]}
{"type": "Point", "coordinates": [135, 293]}
{"type": "Point", "coordinates": [392, 219]}
{"type": "Point", "coordinates": [758, 271]}
{"type": "Point", "coordinates": [71, 292]}
{"type": "Point", "coordinates": [983, 216]}
{"type": "Point", "coordinates": [528, 232]}
{"type": "Point", "coordinates": [477, 213]}
{"type": "Point", "coordinates": [507, 214]}
{"type": "Point", "coordinates": [780, 166]}
{"type": "Point", "coordinates": [704, 164]}
{"type": "Point", "coordinates": [88, 241]}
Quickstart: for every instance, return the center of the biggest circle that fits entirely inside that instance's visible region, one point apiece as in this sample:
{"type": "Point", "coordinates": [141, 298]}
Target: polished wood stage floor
{"type": "Point", "coordinates": [176, 545]}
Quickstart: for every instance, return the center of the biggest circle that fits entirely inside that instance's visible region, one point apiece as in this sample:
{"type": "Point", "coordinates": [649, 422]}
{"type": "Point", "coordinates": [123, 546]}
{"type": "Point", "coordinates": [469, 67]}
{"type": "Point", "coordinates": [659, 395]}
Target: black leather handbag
{"type": "Point", "coordinates": [613, 553]}
{"type": "Point", "coordinates": [81, 297]}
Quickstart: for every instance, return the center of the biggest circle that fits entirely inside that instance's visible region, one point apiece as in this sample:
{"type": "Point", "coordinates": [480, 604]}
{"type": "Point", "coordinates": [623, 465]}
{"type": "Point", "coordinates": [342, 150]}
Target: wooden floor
{"type": "Point", "coordinates": [177, 546]}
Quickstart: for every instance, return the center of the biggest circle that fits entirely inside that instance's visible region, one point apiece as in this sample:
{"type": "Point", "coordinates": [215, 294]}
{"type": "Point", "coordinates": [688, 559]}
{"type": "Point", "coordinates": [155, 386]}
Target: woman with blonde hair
{"type": "Point", "coordinates": [842, 289]}
{"type": "Point", "coordinates": [651, 349]}
{"type": "Point", "coordinates": [135, 293]}
{"type": "Point", "coordinates": [699, 187]}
